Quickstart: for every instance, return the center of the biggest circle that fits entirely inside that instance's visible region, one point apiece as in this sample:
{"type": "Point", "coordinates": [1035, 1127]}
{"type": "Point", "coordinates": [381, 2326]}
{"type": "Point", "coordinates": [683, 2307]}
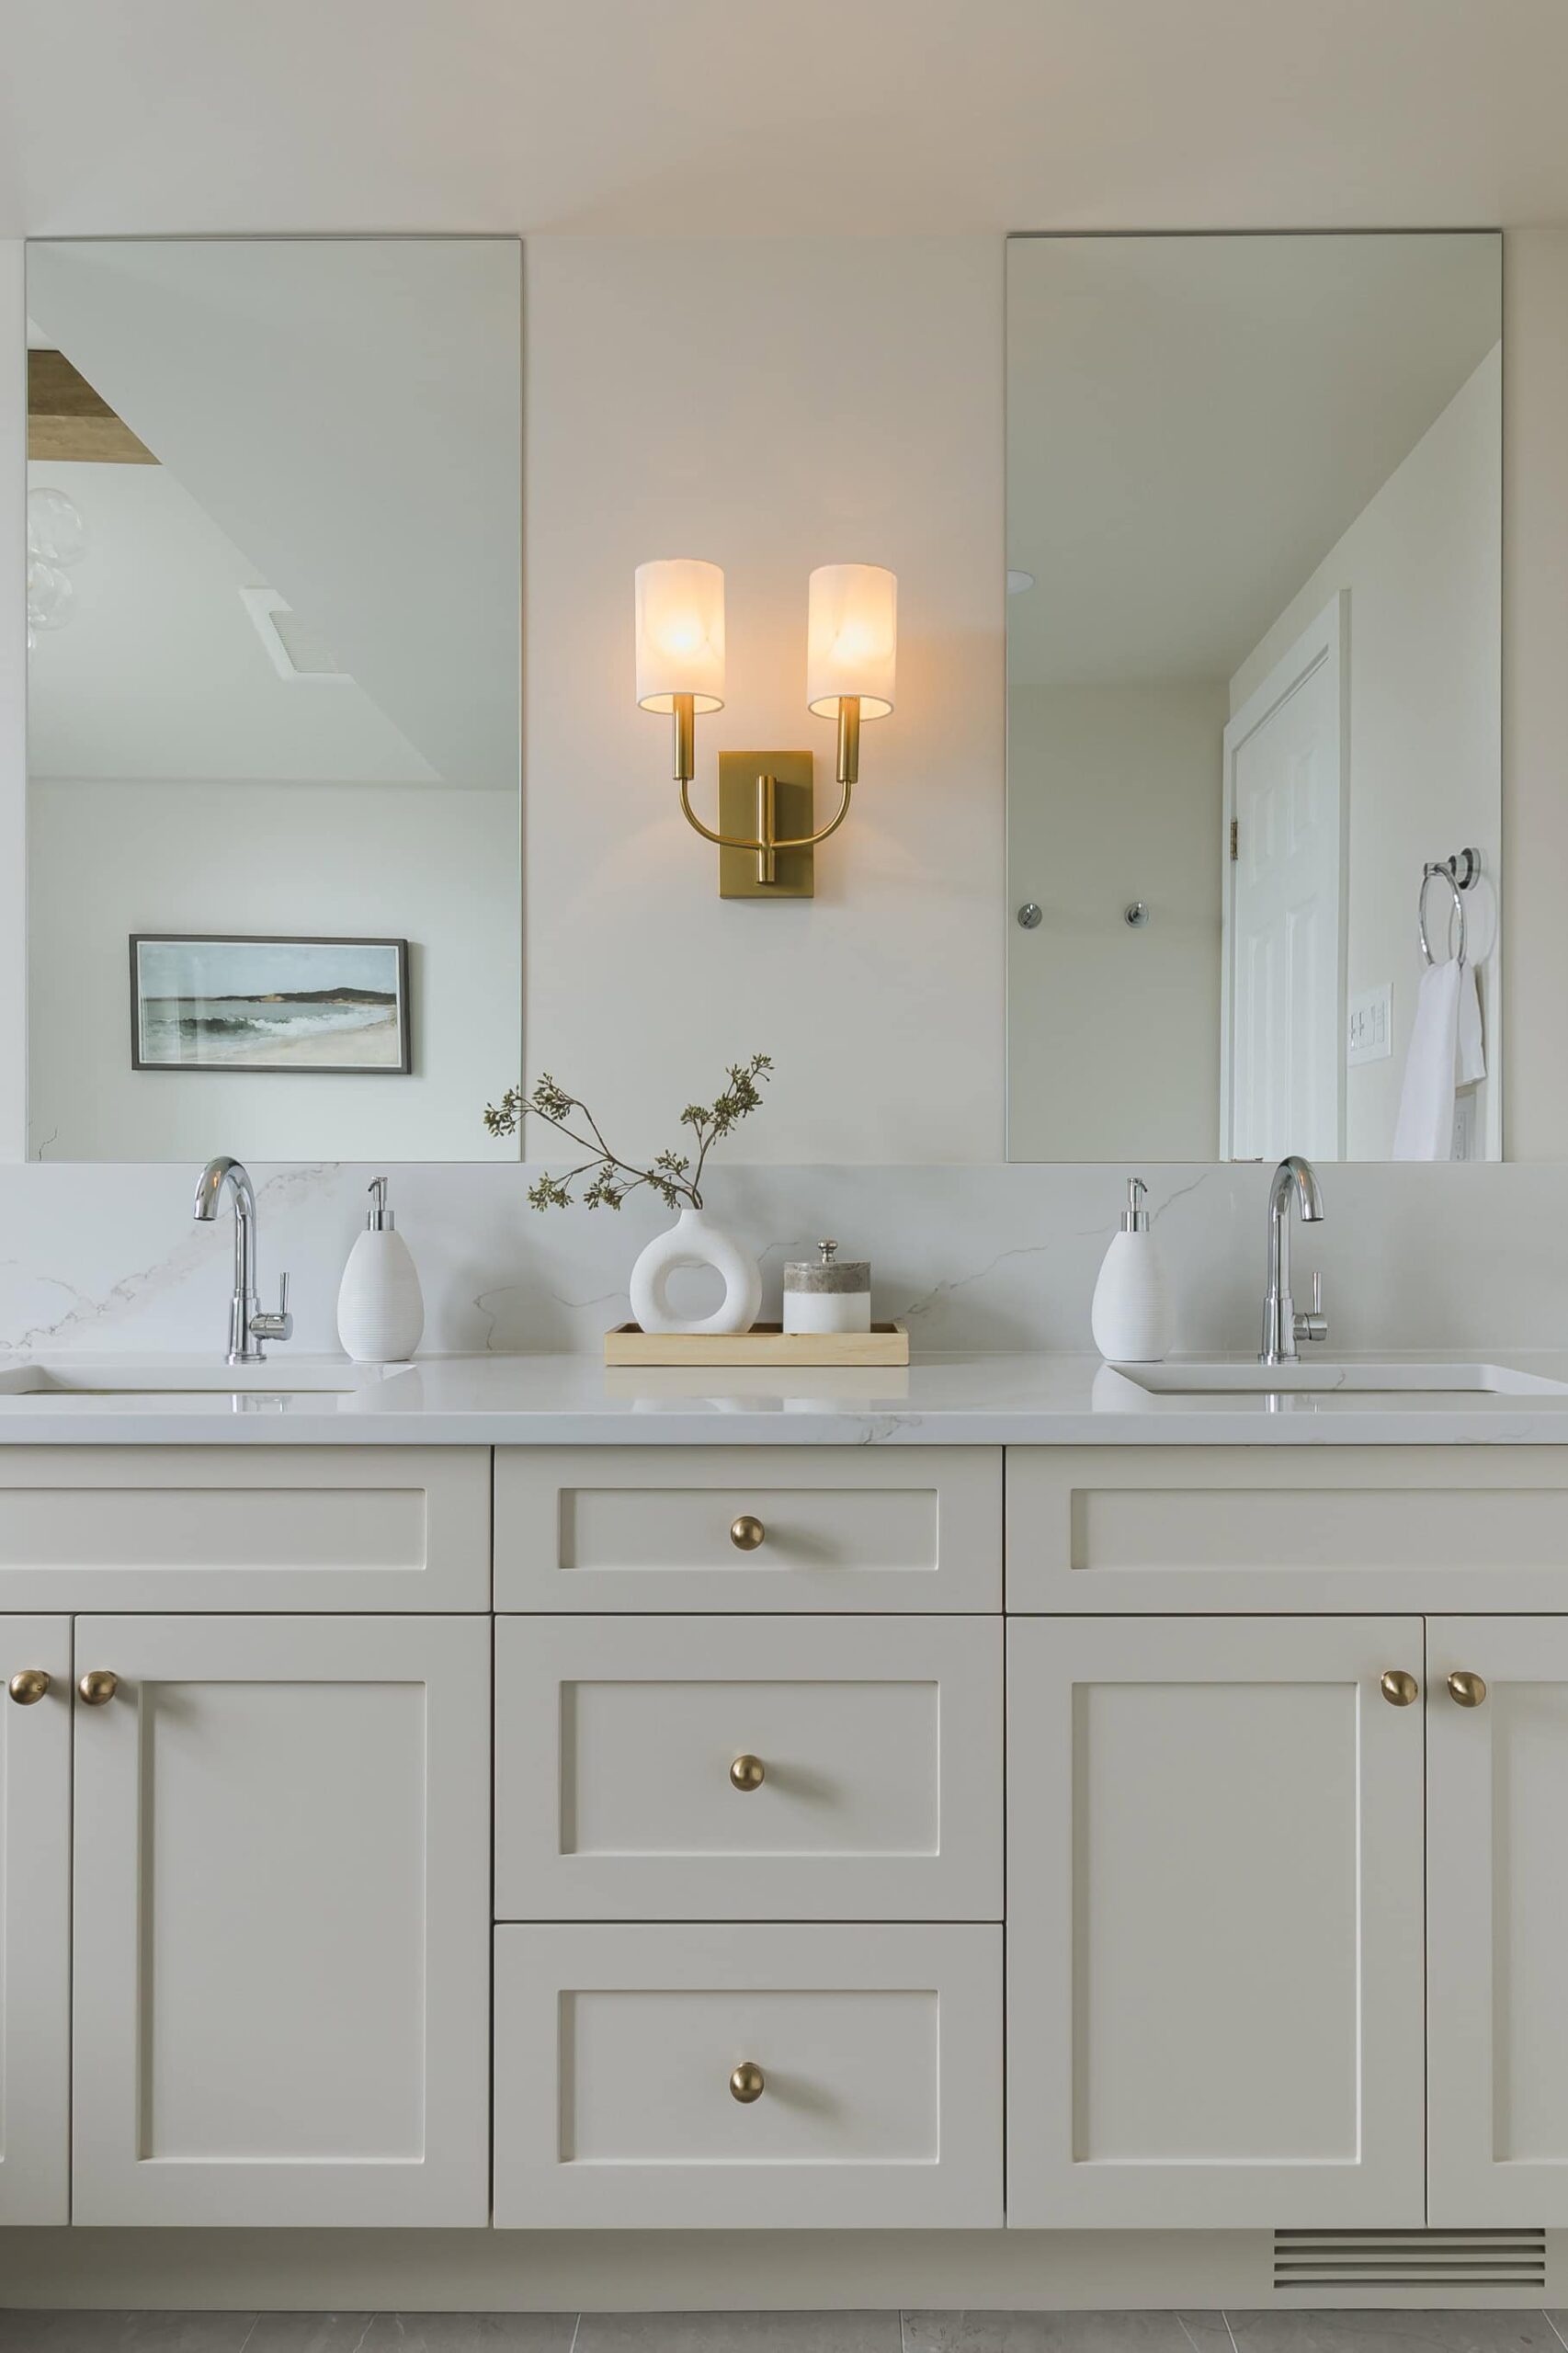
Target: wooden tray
{"type": "Point", "coordinates": [765, 1344]}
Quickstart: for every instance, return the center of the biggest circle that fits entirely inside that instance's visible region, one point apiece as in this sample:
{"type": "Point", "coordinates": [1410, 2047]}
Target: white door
{"type": "Point", "coordinates": [1286, 774]}
{"type": "Point", "coordinates": [1214, 1942]}
{"type": "Point", "coordinates": [282, 1921]}
{"type": "Point", "coordinates": [756, 1769]}
{"type": "Point", "coordinates": [1497, 1947]}
{"type": "Point", "coordinates": [35, 1918]}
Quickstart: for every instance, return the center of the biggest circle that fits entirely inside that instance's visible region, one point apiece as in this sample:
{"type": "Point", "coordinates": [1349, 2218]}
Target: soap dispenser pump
{"type": "Point", "coordinates": [1130, 1318]}
{"type": "Point", "coordinates": [381, 1311]}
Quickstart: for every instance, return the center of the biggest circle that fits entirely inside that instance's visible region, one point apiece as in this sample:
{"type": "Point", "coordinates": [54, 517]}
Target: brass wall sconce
{"type": "Point", "coordinates": [767, 832]}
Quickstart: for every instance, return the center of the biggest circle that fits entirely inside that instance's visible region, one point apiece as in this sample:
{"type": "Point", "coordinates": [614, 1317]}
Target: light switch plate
{"type": "Point", "coordinates": [1369, 1035]}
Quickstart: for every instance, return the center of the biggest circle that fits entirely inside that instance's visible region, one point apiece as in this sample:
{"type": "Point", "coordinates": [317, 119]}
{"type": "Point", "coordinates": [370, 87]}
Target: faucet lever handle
{"type": "Point", "coordinates": [283, 1293]}
{"type": "Point", "coordinates": [280, 1326]}
{"type": "Point", "coordinates": [1315, 1326]}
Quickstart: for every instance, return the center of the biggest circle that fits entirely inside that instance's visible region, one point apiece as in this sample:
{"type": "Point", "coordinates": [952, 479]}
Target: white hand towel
{"type": "Point", "coordinates": [1425, 1130]}
{"type": "Point", "coordinates": [1471, 1052]}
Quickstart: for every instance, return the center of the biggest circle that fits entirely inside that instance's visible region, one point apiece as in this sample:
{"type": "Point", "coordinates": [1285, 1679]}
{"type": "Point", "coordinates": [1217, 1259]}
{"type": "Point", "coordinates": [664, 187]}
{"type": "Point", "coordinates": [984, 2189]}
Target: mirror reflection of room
{"type": "Point", "coordinates": [1254, 680]}
{"type": "Point", "coordinates": [274, 588]}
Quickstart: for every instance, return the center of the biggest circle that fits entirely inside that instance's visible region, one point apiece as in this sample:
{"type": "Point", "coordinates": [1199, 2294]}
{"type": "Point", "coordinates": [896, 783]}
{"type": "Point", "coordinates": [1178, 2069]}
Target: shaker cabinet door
{"type": "Point", "coordinates": [1214, 1891]}
{"type": "Point", "coordinates": [35, 1918]}
{"type": "Point", "coordinates": [282, 1921]}
{"type": "Point", "coordinates": [1497, 1898]}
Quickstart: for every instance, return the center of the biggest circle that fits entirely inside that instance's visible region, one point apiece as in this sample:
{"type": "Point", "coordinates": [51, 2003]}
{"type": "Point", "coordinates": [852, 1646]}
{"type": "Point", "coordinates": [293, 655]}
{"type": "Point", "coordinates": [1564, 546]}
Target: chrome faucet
{"type": "Point", "coordinates": [248, 1325]}
{"type": "Point", "coordinates": [1282, 1327]}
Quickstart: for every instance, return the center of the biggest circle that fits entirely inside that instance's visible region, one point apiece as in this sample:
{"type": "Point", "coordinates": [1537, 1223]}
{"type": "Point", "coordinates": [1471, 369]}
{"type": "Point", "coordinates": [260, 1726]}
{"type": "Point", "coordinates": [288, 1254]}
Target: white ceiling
{"type": "Point", "coordinates": [689, 116]}
{"type": "Point", "coordinates": [160, 672]}
{"type": "Point", "coordinates": [1193, 423]}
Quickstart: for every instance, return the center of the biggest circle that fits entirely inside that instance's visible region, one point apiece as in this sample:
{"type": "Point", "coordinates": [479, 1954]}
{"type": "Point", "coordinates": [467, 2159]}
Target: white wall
{"type": "Point", "coordinates": [435, 865]}
{"type": "Point", "coordinates": [1422, 564]}
{"type": "Point", "coordinates": [1113, 1032]}
{"type": "Point", "coordinates": [771, 405]}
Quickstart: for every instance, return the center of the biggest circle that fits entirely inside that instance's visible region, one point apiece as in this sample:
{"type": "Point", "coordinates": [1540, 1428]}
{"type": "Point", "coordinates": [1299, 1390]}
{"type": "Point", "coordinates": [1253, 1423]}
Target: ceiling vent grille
{"type": "Point", "coordinates": [297, 652]}
{"type": "Point", "coordinates": [1318, 2259]}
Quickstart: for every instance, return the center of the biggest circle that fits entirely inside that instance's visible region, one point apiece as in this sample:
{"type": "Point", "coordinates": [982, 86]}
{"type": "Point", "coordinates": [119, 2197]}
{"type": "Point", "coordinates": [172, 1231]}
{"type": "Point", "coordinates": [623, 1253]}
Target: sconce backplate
{"type": "Point", "coordinates": [794, 805]}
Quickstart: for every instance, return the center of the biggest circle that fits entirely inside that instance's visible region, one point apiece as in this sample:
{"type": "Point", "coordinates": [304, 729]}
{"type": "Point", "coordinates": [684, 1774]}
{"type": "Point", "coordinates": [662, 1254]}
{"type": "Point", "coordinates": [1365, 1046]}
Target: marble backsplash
{"type": "Point", "coordinates": [972, 1258]}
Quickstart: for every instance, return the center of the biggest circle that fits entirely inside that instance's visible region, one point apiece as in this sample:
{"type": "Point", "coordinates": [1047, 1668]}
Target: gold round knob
{"type": "Point", "coordinates": [747, 2082]}
{"type": "Point", "coordinates": [1465, 1689]}
{"type": "Point", "coordinates": [748, 1773]}
{"type": "Point", "coordinates": [98, 1687]}
{"type": "Point", "coordinates": [746, 1533]}
{"type": "Point", "coordinates": [1399, 1688]}
{"type": "Point", "coordinates": [29, 1685]}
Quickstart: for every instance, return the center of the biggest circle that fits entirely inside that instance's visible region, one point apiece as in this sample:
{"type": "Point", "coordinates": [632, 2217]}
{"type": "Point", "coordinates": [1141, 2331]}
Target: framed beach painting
{"type": "Point", "coordinates": [201, 1001]}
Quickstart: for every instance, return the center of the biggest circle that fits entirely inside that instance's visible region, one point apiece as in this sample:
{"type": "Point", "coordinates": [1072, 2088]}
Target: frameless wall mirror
{"type": "Point", "coordinates": [274, 583]}
{"type": "Point", "coordinates": [1254, 647]}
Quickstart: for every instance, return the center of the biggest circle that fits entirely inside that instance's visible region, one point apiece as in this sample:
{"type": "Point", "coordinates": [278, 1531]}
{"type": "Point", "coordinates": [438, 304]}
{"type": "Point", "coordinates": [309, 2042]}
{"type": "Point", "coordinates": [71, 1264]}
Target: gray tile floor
{"type": "Point", "coordinates": [910, 2332]}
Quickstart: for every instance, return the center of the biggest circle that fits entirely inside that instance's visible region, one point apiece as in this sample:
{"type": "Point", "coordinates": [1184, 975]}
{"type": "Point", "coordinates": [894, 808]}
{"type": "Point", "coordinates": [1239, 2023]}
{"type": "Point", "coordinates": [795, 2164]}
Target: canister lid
{"type": "Point", "coordinates": [828, 1272]}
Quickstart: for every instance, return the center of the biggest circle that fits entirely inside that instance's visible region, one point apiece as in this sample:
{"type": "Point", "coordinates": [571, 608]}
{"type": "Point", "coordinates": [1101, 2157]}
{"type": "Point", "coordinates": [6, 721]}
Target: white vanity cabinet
{"type": "Point", "coordinates": [281, 1882]}
{"type": "Point", "coordinates": [35, 1918]}
{"type": "Point", "coordinates": [1215, 1952]}
{"type": "Point", "coordinates": [244, 1854]}
{"type": "Point", "coordinates": [1497, 1920]}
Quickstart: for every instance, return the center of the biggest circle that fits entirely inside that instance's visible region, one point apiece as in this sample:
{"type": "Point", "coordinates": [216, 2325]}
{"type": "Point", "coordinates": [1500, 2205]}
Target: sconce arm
{"type": "Point", "coordinates": [734, 841]}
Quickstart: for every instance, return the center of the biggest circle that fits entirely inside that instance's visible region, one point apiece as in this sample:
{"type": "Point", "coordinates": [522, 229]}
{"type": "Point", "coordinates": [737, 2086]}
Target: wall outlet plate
{"type": "Point", "coordinates": [794, 805]}
{"type": "Point", "coordinates": [1370, 1031]}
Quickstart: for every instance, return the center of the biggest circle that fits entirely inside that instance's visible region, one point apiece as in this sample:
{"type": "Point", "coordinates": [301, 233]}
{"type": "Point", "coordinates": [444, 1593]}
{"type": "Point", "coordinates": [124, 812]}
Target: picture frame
{"type": "Point", "coordinates": [272, 1005]}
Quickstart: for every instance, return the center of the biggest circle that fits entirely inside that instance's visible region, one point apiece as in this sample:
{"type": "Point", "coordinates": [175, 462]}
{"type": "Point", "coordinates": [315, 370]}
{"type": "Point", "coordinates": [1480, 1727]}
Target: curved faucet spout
{"type": "Point", "coordinates": [226, 1175]}
{"type": "Point", "coordinates": [1282, 1327]}
{"type": "Point", "coordinates": [209, 1188]}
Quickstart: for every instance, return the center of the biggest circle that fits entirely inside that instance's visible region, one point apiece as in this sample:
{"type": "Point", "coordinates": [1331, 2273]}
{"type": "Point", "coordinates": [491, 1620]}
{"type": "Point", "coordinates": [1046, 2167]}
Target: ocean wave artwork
{"type": "Point", "coordinates": [210, 1003]}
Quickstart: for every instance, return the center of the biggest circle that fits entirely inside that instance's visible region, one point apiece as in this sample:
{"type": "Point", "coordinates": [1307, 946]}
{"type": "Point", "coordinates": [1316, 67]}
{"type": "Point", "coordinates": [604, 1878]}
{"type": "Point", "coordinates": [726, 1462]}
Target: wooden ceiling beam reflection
{"type": "Point", "coordinates": [67, 419]}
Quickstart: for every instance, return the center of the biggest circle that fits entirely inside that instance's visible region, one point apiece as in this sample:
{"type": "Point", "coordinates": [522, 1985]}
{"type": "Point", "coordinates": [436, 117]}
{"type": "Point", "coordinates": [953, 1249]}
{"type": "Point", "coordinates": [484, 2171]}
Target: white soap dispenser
{"type": "Point", "coordinates": [1130, 1318]}
{"type": "Point", "coordinates": [380, 1310]}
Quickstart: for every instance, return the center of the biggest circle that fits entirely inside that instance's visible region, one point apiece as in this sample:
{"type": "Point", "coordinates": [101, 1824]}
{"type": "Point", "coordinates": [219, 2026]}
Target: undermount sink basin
{"type": "Point", "coordinates": [60, 1381]}
{"type": "Point", "coordinates": [1310, 1377]}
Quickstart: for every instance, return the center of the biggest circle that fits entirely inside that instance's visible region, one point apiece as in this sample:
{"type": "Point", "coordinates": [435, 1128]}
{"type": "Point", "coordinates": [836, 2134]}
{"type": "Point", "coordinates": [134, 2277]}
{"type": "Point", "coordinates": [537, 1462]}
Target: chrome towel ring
{"type": "Point", "coordinates": [1447, 870]}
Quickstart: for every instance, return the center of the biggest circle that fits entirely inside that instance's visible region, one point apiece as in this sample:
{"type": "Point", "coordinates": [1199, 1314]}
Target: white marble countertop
{"type": "Point", "coordinates": [574, 1400]}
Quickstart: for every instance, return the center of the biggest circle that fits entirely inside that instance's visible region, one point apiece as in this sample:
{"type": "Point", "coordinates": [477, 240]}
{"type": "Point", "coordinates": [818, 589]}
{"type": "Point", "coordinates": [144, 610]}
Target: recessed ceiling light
{"type": "Point", "coordinates": [1019, 581]}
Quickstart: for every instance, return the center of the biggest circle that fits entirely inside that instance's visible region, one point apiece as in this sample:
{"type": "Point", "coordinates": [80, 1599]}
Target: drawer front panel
{"type": "Point", "coordinates": [650, 1528]}
{"type": "Point", "coordinates": [878, 2090]}
{"type": "Point", "coordinates": [748, 1769]}
{"type": "Point", "coordinates": [1103, 1529]}
{"type": "Point", "coordinates": [245, 1527]}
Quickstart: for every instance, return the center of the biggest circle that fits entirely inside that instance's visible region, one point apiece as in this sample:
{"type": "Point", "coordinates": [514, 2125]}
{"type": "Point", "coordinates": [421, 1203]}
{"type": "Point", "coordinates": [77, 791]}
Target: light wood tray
{"type": "Point", "coordinates": [765, 1344]}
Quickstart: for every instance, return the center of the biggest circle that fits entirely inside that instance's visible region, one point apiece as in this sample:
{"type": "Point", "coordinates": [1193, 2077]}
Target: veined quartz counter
{"type": "Point", "coordinates": [574, 1400]}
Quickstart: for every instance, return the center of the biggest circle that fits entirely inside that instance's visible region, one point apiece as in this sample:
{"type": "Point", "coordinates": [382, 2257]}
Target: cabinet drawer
{"type": "Point", "coordinates": [656, 1527]}
{"type": "Point", "coordinates": [879, 1741]}
{"type": "Point", "coordinates": [879, 2051]}
{"type": "Point", "coordinates": [244, 1528]}
{"type": "Point", "coordinates": [1104, 1530]}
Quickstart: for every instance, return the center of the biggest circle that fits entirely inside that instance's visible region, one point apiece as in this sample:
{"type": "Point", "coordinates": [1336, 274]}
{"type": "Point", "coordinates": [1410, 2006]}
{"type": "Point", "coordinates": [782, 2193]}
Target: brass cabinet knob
{"type": "Point", "coordinates": [1465, 1689]}
{"type": "Point", "coordinates": [1400, 1688]}
{"type": "Point", "coordinates": [98, 1687]}
{"type": "Point", "coordinates": [29, 1685]}
{"type": "Point", "coordinates": [747, 2082]}
{"type": "Point", "coordinates": [746, 1533]}
{"type": "Point", "coordinates": [748, 1773]}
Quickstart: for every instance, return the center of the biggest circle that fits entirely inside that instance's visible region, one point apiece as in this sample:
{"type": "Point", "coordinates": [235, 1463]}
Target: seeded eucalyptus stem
{"type": "Point", "coordinates": [673, 1176]}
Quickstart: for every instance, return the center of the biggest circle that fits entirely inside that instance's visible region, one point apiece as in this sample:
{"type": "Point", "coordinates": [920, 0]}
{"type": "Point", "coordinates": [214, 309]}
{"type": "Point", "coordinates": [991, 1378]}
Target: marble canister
{"type": "Point", "coordinates": [827, 1294]}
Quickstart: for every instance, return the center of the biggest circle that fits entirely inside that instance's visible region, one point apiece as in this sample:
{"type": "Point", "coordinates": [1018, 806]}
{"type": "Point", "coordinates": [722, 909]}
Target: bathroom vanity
{"type": "Point", "coordinates": [1124, 1828]}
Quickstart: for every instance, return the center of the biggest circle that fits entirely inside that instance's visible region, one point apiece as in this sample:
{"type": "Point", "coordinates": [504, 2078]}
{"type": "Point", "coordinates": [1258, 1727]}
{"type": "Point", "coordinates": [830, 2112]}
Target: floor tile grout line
{"type": "Point", "coordinates": [1230, 2332]}
{"type": "Point", "coordinates": [1554, 2327]}
{"type": "Point", "coordinates": [577, 2324]}
{"type": "Point", "coordinates": [250, 2331]}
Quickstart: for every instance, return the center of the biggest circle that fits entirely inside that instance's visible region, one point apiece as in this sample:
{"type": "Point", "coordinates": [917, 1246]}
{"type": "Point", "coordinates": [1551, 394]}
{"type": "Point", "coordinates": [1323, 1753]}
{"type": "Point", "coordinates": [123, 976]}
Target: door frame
{"type": "Point", "coordinates": [1325, 639]}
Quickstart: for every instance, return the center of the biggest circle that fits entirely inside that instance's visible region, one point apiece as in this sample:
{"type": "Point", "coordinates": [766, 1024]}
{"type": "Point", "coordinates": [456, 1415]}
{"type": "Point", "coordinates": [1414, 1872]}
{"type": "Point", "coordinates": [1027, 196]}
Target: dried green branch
{"type": "Point", "coordinates": [673, 1176]}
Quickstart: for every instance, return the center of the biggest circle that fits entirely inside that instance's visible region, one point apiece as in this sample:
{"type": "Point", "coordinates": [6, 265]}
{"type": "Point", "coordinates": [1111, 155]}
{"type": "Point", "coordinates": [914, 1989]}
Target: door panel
{"type": "Point", "coordinates": [35, 1924]}
{"type": "Point", "coordinates": [282, 1922]}
{"type": "Point", "coordinates": [1497, 1947]}
{"type": "Point", "coordinates": [1214, 1924]}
